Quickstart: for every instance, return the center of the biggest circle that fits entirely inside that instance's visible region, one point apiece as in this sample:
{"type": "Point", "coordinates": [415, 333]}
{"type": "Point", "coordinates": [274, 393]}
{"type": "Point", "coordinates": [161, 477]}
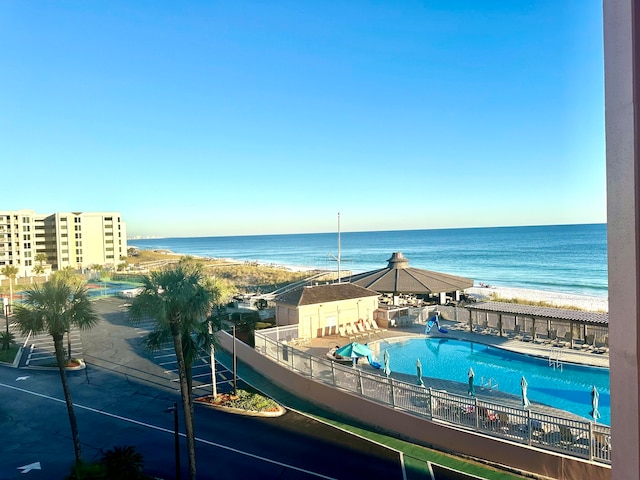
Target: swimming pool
{"type": "Point", "coordinates": [568, 389]}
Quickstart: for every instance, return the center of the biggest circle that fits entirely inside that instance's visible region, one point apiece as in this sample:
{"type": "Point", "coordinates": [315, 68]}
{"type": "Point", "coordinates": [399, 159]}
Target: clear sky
{"type": "Point", "coordinates": [249, 117]}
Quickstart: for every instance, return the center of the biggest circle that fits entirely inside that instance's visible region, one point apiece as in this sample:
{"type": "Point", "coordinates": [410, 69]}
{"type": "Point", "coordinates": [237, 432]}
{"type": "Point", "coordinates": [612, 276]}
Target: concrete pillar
{"type": "Point", "coordinates": [622, 118]}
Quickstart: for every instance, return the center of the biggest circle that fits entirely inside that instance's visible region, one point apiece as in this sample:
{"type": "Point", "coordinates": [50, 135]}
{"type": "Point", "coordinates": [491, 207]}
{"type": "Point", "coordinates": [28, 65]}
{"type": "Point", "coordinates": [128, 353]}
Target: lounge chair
{"type": "Point", "coordinates": [361, 330]}
{"type": "Point", "coordinates": [350, 330]}
{"type": "Point", "coordinates": [344, 333]}
{"type": "Point", "coordinates": [503, 422]}
{"type": "Point", "coordinates": [516, 335]}
{"type": "Point", "coordinates": [566, 435]}
{"type": "Point", "coordinates": [375, 327]}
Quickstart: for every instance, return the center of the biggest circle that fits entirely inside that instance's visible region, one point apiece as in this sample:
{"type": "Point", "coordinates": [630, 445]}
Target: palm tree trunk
{"type": "Point", "coordinates": [59, 348]}
{"type": "Point", "coordinates": [187, 402]}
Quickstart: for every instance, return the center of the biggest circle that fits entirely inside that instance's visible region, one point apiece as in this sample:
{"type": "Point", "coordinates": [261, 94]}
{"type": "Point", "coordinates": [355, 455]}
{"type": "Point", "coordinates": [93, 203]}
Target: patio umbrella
{"type": "Point", "coordinates": [471, 390]}
{"type": "Point", "coordinates": [354, 350]}
{"type": "Point", "coordinates": [523, 386]}
{"type": "Point", "coordinates": [386, 368]}
{"type": "Point", "coordinates": [419, 372]}
{"type": "Point", "coordinates": [595, 397]}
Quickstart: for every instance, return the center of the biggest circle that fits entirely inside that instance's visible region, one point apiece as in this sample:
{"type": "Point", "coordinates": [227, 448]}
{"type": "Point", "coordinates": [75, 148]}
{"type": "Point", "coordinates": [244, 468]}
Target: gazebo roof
{"type": "Point", "coordinates": [399, 277]}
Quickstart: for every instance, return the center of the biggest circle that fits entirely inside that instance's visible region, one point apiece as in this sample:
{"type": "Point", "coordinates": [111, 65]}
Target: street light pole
{"type": "Point", "coordinates": [235, 386]}
{"type": "Point", "coordinates": [176, 436]}
{"type": "Point", "coordinates": [214, 387]}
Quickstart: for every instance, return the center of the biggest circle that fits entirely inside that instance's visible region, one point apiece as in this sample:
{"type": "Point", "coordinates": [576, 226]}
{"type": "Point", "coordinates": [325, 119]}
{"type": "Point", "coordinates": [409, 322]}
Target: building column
{"type": "Point", "coordinates": [622, 118]}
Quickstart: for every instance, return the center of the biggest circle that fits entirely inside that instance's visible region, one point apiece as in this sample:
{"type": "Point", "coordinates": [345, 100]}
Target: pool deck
{"type": "Point", "coordinates": [320, 346]}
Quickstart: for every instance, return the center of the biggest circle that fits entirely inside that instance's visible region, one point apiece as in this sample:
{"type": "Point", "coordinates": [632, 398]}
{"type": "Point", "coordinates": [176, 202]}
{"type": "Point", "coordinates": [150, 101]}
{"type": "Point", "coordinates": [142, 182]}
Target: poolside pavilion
{"type": "Point", "coordinates": [561, 326]}
{"type": "Point", "coordinates": [399, 278]}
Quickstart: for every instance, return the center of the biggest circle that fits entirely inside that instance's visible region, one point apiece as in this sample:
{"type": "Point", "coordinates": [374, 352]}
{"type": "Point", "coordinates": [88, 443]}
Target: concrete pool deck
{"type": "Point", "coordinates": [320, 346]}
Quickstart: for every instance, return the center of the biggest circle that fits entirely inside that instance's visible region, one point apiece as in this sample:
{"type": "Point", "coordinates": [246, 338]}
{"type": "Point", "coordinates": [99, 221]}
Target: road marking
{"type": "Point", "coordinates": [21, 378]}
{"type": "Point", "coordinates": [31, 466]}
{"type": "Point", "coordinates": [166, 430]}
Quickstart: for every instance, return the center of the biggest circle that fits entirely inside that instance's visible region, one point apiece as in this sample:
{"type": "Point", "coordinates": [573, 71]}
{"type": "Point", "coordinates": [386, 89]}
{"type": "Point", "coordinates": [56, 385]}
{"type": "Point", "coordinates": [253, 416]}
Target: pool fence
{"type": "Point", "coordinates": [562, 434]}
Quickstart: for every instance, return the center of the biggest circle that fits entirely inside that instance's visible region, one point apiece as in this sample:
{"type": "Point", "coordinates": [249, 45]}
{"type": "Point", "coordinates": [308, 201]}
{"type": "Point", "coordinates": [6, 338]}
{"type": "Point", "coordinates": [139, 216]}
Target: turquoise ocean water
{"type": "Point", "coordinates": [560, 258]}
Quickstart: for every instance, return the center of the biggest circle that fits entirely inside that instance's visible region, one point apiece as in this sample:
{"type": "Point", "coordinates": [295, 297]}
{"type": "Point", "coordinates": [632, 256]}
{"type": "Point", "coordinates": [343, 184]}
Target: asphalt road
{"type": "Point", "coordinates": [121, 399]}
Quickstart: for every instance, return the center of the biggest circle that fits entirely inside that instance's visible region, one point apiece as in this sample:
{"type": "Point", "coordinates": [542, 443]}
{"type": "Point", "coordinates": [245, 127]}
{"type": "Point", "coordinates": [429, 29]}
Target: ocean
{"type": "Point", "coordinates": [559, 258]}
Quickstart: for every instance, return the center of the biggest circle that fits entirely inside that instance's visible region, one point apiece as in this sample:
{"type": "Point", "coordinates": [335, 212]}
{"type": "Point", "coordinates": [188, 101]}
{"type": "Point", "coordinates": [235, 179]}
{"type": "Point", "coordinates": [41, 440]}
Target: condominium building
{"type": "Point", "coordinates": [67, 239]}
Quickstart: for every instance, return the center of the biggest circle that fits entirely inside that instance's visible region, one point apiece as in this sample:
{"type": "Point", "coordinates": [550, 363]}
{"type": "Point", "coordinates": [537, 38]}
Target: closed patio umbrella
{"type": "Point", "coordinates": [595, 397]}
{"type": "Point", "coordinates": [419, 372]}
{"type": "Point", "coordinates": [471, 391]}
{"type": "Point", "coordinates": [523, 386]}
{"type": "Point", "coordinates": [386, 368]}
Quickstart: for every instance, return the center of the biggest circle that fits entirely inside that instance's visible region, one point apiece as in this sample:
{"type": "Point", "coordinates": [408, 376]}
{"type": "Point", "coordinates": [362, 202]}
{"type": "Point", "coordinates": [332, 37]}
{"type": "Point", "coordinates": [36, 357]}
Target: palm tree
{"type": "Point", "coordinates": [10, 272]}
{"type": "Point", "coordinates": [38, 269]}
{"type": "Point", "coordinates": [179, 299]}
{"type": "Point", "coordinates": [52, 308]}
{"type": "Point", "coordinates": [72, 277]}
{"type": "Point", "coordinates": [40, 258]}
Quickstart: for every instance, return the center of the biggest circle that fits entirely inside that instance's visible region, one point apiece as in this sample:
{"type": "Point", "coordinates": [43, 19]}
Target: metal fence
{"type": "Point", "coordinates": [568, 436]}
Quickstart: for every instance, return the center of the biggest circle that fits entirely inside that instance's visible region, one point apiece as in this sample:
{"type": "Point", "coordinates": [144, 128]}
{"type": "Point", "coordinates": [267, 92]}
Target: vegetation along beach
{"type": "Point", "coordinates": [559, 265]}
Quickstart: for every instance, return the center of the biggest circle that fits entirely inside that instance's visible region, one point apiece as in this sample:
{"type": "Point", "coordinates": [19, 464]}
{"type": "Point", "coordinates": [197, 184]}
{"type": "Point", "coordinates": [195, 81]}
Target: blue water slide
{"type": "Point", "coordinates": [373, 363]}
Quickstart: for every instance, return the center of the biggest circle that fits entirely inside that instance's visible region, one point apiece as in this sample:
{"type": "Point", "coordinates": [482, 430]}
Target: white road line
{"type": "Point", "coordinates": [167, 355]}
{"type": "Point", "coordinates": [166, 430]}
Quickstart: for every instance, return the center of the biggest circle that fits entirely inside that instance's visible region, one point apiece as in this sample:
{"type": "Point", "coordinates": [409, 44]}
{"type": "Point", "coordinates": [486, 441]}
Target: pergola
{"type": "Point", "coordinates": [528, 318]}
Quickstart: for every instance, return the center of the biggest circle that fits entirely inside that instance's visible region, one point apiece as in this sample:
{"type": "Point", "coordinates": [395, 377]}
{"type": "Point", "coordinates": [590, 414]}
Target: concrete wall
{"type": "Point", "coordinates": [622, 119]}
{"type": "Point", "coordinates": [416, 429]}
{"type": "Point", "coordinates": [324, 319]}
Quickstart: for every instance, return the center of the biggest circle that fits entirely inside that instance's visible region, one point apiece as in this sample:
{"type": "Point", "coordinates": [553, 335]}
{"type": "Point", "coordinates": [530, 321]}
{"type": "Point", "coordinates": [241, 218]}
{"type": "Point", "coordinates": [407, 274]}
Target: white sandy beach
{"type": "Point", "coordinates": [594, 304]}
{"type": "Point", "coordinates": [584, 302]}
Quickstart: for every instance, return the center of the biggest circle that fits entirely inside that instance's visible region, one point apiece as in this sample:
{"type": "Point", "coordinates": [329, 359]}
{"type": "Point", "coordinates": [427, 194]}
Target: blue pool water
{"type": "Point", "coordinates": [568, 389]}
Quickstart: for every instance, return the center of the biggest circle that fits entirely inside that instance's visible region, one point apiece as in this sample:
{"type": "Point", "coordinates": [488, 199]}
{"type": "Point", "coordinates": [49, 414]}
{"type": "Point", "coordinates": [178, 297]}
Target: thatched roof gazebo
{"type": "Point", "coordinates": [399, 278]}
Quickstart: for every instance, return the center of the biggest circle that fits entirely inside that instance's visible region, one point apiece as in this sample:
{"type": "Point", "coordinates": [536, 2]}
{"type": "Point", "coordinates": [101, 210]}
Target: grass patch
{"type": "Point", "coordinates": [534, 303]}
{"type": "Point", "coordinates": [8, 356]}
{"type": "Point", "coordinates": [249, 277]}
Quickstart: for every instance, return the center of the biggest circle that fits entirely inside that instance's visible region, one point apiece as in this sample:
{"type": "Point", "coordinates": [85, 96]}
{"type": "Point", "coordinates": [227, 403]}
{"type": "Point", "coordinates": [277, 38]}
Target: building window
{"type": "Point", "coordinates": [27, 263]}
{"type": "Point", "coordinates": [77, 228]}
{"type": "Point", "coordinates": [78, 235]}
{"type": "Point", "coordinates": [26, 228]}
{"type": "Point", "coordinates": [25, 219]}
{"type": "Point", "coordinates": [64, 235]}
{"type": "Point", "coordinates": [65, 259]}
{"type": "Point", "coordinates": [76, 220]}
{"type": "Point", "coordinates": [26, 237]}
{"type": "Point", "coordinates": [79, 259]}
{"type": "Point", "coordinates": [27, 245]}
{"type": "Point", "coordinates": [109, 256]}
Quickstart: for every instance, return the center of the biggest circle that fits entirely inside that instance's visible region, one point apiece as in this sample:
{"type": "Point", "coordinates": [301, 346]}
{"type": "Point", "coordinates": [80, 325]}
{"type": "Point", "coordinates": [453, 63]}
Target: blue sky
{"type": "Point", "coordinates": [231, 118]}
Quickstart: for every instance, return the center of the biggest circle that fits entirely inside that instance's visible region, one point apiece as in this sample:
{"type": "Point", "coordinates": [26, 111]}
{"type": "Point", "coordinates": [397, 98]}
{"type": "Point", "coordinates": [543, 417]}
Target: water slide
{"type": "Point", "coordinates": [373, 363]}
{"type": "Point", "coordinates": [434, 321]}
